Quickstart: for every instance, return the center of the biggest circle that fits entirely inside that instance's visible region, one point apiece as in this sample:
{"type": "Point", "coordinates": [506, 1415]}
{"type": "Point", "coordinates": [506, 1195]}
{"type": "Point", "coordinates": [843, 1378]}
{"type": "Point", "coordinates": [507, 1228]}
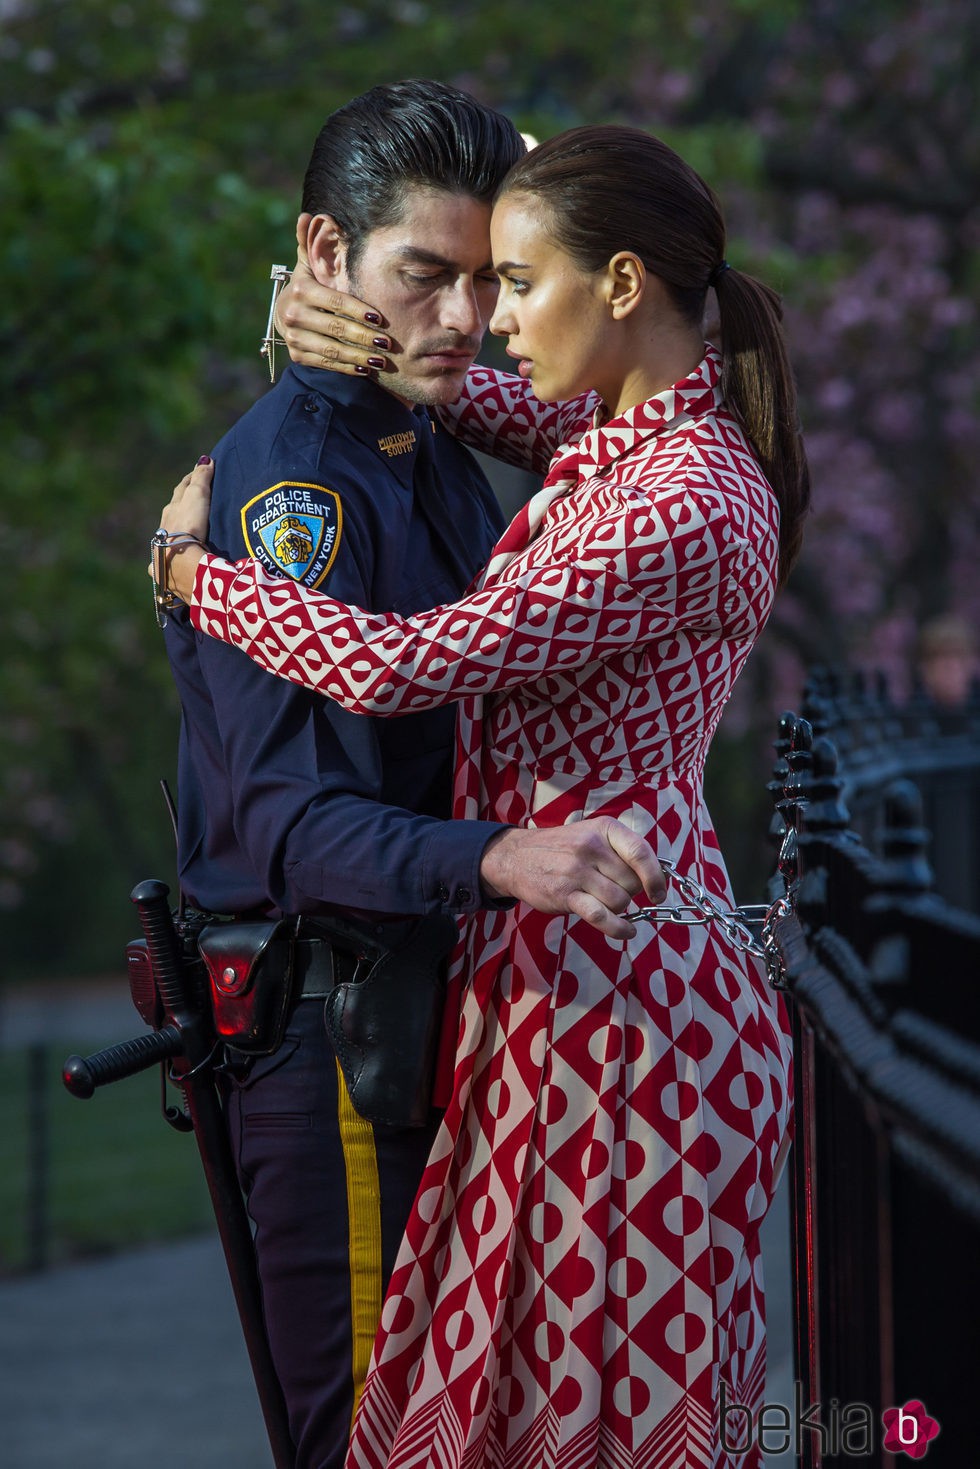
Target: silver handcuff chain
{"type": "Point", "coordinates": [700, 907]}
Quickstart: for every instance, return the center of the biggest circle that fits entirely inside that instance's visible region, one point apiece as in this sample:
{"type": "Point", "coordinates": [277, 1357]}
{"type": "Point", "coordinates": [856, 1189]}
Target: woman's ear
{"type": "Point", "coordinates": [626, 278]}
{"type": "Point", "coordinates": [326, 249]}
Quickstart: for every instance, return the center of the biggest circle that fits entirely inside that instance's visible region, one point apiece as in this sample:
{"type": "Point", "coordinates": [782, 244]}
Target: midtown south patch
{"type": "Point", "coordinates": [295, 529]}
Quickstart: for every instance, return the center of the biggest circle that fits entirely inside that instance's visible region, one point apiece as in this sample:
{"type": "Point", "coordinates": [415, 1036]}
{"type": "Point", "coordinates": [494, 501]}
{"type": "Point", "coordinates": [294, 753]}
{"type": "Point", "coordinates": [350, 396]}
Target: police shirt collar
{"type": "Point", "coordinates": [377, 418]}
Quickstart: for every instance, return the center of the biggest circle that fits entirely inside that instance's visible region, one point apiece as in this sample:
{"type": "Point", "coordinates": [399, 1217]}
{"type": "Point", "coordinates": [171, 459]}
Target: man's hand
{"type": "Point", "coordinates": [591, 868]}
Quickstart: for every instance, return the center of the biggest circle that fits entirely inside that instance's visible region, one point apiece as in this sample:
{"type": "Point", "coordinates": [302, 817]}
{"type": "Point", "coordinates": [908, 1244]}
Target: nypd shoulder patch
{"type": "Point", "coordinates": [295, 529]}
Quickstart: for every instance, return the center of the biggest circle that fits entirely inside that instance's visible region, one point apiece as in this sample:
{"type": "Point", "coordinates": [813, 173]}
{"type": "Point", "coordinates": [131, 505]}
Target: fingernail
{"type": "Point", "coordinates": [365, 371]}
{"type": "Point", "coordinates": [376, 362]}
{"type": "Point", "coordinates": [204, 459]}
{"type": "Point", "coordinates": [372, 317]}
{"type": "Point", "coordinates": [381, 342]}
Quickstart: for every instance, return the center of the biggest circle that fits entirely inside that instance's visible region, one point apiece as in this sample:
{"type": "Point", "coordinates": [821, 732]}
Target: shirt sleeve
{"type": "Point", "coordinates": [498, 414]}
{"type": "Point", "coordinates": [639, 574]}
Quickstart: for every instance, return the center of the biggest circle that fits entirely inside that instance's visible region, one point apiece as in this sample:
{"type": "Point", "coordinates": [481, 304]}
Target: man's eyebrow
{"type": "Point", "coordinates": [506, 267]}
{"type": "Point", "coordinates": [418, 256]}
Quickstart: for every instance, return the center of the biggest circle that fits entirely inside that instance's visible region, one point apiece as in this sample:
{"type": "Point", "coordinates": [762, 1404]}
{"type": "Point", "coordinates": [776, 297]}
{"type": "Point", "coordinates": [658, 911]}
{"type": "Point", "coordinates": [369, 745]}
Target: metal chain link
{"type": "Point", "coordinates": [700, 907]}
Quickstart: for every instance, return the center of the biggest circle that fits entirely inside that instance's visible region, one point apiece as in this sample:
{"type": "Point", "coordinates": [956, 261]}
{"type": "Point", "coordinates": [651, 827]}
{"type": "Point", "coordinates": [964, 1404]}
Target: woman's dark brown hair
{"type": "Point", "coordinates": [616, 188]}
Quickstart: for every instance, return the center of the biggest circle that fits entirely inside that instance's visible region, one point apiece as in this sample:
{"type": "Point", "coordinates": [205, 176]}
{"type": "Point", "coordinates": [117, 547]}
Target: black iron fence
{"type": "Point", "coordinates": [879, 740]}
{"type": "Point", "coordinates": [882, 976]}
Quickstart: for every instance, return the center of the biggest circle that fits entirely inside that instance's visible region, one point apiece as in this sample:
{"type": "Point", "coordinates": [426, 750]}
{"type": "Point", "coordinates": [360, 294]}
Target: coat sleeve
{"type": "Point", "coordinates": [301, 787]}
{"type": "Point", "coordinates": [638, 575]}
{"type": "Point", "coordinates": [309, 811]}
{"type": "Point", "coordinates": [498, 414]}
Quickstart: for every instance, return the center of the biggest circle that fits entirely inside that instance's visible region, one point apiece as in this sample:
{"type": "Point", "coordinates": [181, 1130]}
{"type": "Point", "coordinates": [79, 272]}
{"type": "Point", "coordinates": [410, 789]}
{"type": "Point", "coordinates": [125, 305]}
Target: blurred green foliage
{"type": "Point", "coordinates": [108, 1175]}
{"type": "Point", "coordinates": [151, 155]}
{"type": "Point", "coordinates": [116, 299]}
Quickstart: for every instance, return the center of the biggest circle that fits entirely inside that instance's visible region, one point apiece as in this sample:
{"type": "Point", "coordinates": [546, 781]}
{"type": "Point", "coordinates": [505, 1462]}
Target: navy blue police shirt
{"type": "Point", "coordinates": [288, 803]}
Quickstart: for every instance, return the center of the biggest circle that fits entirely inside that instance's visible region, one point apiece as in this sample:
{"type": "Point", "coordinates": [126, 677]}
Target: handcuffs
{"type": "Point", "coordinates": [165, 599]}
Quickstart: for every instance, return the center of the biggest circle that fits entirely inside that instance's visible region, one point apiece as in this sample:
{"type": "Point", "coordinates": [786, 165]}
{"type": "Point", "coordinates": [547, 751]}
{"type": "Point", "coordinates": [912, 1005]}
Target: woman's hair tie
{"type": "Point", "coordinates": [718, 272]}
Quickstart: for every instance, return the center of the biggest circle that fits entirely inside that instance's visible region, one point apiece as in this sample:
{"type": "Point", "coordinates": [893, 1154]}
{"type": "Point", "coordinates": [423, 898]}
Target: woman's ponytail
{"type": "Point", "coordinates": [759, 389]}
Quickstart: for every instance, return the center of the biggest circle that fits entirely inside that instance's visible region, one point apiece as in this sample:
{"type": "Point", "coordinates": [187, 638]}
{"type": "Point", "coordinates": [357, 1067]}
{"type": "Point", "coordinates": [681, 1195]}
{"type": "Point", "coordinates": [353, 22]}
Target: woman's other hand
{"type": "Point", "coordinates": [325, 328]}
{"type": "Point", "coordinates": [187, 515]}
{"type": "Point", "coordinates": [187, 512]}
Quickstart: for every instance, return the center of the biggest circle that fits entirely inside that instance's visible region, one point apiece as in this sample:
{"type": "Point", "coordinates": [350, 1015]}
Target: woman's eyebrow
{"type": "Point", "coordinates": [505, 267]}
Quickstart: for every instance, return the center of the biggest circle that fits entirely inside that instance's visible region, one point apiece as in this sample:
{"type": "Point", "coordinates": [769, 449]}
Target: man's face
{"type": "Point", "coordinates": [431, 278]}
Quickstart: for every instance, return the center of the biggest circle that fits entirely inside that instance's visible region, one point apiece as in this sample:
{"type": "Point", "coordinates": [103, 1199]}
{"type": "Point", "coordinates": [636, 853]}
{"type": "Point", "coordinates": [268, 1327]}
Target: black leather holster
{"type": "Point", "coordinates": [383, 991]}
{"type": "Point", "coordinates": [384, 1021]}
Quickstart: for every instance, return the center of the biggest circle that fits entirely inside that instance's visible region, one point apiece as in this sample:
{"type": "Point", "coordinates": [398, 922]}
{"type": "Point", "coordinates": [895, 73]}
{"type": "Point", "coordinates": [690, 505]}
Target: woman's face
{"type": "Point", "coordinates": [555, 314]}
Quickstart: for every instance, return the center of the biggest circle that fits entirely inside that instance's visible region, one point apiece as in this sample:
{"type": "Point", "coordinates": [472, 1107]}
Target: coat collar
{"type": "Point", "coordinates": [610, 439]}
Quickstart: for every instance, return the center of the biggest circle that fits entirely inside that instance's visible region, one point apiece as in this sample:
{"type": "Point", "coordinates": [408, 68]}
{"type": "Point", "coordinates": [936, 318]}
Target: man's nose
{"type": "Point", "coordinates": [461, 311]}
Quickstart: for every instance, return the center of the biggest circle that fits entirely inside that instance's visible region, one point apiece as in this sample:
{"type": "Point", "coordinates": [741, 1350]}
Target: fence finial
{"type": "Point", "coordinates": [904, 840]}
{"type": "Point", "coordinates": [826, 811]}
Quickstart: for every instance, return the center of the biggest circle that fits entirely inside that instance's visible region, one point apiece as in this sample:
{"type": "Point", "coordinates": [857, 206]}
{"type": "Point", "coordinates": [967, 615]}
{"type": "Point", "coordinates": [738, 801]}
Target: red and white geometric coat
{"type": "Point", "coordinates": [582, 1263]}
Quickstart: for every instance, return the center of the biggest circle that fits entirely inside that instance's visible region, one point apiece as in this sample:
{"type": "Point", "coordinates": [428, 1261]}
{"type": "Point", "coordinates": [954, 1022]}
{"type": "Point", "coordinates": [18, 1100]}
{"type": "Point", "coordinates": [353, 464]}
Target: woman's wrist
{"type": "Point", "coordinates": [174, 559]}
{"type": "Point", "coordinates": [183, 560]}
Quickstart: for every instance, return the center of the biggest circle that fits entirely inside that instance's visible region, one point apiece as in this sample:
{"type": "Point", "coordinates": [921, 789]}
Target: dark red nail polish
{"type": "Point", "coordinates": [381, 342]}
{"type": "Point", "coordinates": [364, 370]}
{"type": "Point", "coordinates": [378, 362]}
{"type": "Point", "coordinates": [204, 459]}
{"type": "Point", "coordinates": [372, 317]}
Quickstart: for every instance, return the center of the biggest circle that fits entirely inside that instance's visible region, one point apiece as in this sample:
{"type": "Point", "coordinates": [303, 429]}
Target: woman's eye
{"type": "Point", "coordinates": [520, 288]}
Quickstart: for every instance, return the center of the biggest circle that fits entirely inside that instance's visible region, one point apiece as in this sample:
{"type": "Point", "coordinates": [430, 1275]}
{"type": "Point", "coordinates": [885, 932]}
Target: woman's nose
{"type": "Point", "coordinates": [502, 322]}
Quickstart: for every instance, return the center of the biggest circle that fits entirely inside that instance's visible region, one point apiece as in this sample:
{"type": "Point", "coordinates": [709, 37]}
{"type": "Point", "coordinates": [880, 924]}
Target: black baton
{"type": "Point", "coordinates": [187, 1040]}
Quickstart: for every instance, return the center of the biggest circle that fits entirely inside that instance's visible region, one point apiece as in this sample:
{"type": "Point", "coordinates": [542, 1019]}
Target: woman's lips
{"type": "Point", "coordinates": [525, 366]}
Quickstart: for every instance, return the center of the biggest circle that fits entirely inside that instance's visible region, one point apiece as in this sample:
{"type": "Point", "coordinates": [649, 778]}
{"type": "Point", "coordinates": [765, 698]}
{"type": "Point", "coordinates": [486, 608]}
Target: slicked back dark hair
{"type": "Point", "coordinates": [399, 135]}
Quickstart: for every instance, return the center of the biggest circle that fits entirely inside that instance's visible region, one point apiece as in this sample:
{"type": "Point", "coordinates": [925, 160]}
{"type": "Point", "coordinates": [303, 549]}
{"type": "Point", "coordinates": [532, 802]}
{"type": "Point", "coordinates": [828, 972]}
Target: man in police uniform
{"type": "Point", "coordinates": [288, 804]}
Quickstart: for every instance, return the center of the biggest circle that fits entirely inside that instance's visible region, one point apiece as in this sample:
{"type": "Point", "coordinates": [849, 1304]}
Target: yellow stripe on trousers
{"type": "Point", "coordinates": [364, 1225]}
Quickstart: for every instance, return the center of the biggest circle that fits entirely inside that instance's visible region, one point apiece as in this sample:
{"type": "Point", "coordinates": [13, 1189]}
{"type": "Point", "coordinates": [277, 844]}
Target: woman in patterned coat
{"type": "Point", "coordinates": [580, 1282]}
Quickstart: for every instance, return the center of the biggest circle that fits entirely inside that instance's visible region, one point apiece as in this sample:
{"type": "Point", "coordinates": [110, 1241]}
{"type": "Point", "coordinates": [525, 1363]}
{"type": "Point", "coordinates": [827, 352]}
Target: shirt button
{"type": "Point", "coordinates": [463, 896]}
{"type": "Point", "coordinates": [442, 893]}
{"type": "Point", "coordinates": [311, 406]}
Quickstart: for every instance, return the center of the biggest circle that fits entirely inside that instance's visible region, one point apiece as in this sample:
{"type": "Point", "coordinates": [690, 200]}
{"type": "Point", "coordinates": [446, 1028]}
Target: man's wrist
{"type": "Point", "coordinates": [494, 866]}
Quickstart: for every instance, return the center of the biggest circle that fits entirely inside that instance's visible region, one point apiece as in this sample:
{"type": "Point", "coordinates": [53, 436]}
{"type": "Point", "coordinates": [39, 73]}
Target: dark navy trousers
{"type": "Point", "coordinates": [329, 1196]}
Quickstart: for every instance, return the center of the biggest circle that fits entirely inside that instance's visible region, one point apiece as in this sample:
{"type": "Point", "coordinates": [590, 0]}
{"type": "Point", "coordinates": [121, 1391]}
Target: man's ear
{"type": "Point", "coordinates": [326, 249]}
{"type": "Point", "coordinates": [626, 280]}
